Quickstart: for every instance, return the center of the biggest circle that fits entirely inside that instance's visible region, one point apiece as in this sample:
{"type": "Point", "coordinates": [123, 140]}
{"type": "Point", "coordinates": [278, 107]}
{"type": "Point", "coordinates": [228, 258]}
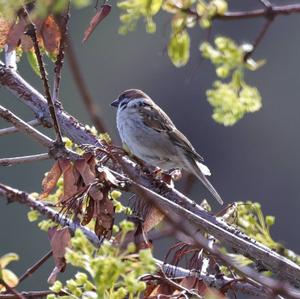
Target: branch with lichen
{"type": "Point", "coordinates": [227, 235]}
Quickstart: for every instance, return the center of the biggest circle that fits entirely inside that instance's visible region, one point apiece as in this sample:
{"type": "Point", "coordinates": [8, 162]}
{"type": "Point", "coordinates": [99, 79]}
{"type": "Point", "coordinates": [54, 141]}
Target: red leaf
{"type": "Point", "coordinates": [51, 35]}
{"type": "Point", "coordinates": [97, 18]}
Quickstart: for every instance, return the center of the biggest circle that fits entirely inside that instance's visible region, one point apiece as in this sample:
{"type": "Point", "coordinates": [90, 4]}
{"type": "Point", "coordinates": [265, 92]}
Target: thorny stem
{"type": "Point", "coordinates": [32, 33]}
{"type": "Point", "coordinates": [63, 25]}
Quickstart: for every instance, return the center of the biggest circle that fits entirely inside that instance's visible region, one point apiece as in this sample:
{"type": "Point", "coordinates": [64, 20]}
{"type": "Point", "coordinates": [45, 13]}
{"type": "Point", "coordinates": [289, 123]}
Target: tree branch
{"type": "Point", "coordinates": [263, 12]}
{"type": "Point", "coordinates": [25, 127]}
{"type": "Point", "coordinates": [11, 130]}
{"type": "Point", "coordinates": [23, 159]}
{"type": "Point", "coordinates": [14, 195]}
{"type": "Point", "coordinates": [32, 33]}
{"type": "Point", "coordinates": [227, 235]}
{"type": "Point", "coordinates": [182, 223]}
{"type": "Point", "coordinates": [30, 295]}
{"type": "Point", "coordinates": [63, 26]}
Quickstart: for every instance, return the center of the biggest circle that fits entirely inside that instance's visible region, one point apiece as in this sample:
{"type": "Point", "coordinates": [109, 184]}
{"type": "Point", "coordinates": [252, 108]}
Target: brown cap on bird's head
{"type": "Point", "coordinates": [129, 94]}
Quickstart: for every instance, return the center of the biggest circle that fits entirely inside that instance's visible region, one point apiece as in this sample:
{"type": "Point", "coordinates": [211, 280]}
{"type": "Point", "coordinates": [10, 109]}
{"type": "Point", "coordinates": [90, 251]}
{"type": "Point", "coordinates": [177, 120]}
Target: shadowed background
{"type": "Point", "coordinates": [257, 159]}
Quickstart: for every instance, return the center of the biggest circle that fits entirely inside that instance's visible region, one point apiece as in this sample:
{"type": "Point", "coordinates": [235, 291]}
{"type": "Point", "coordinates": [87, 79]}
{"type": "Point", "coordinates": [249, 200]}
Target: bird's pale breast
{"type": "Point", "coordinates": [155, 148]}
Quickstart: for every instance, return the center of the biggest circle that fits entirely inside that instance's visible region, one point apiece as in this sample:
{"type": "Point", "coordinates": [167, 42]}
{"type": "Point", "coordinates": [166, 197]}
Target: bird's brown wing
{"type": "Point", "coordinates": [158, 120]}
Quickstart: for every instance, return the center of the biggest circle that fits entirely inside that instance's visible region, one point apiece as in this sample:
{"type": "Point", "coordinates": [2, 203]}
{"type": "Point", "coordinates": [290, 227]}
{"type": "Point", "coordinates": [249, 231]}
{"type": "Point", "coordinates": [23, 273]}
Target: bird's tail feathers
{"type": "Point", "coordinates": [200, 170]}
{"type": "Point", "coordinates": [204, 169]}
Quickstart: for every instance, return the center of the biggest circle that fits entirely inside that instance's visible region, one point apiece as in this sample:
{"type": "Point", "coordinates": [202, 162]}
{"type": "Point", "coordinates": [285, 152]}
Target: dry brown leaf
{"type": "Point", "coordinates": [162, 291]}
{"type": "Point", "coordinates": [104, 217]}
{"type": "Point", "coordinates": [89, 212]}
{"type": "Point", "coordinates": [15, 33]}
{"type": "Point", "coordinates": [192, 283]}
{"type": "Point", "coordinates": [4, 29]}
{"type": "Point", "coordinates": [71, 177]}
{"type": "Point", "coordinates": [153, 218]}
{"type": "Point", "coordinates": [85, 171]}
{"type": "Point", "coordinates": [213, 294]}
{"type": "Point", "coordinates": [50, 180]}
{"type": "Point", "coordinates": [97, 18]}
{"type": "Point", "coordinates": [60, 239]}
{"type": "Point", "coordinates": [51, 35]}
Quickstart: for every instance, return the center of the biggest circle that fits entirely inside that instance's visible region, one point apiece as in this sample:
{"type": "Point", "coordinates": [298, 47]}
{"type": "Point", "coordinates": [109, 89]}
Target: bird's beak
{"type": "Point", "coordinates": [115, 103]}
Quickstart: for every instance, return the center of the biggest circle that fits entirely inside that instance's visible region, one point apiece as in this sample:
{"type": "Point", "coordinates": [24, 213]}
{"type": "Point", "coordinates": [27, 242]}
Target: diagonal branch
{"type": "Point", "coordinates": [181, 222]}
{"type": "Point", "coordinates": [25, 127]}
{"type": "Point", "coordinates": [229, 236]}
{"type": "Point", "coordinates": [15, 195]}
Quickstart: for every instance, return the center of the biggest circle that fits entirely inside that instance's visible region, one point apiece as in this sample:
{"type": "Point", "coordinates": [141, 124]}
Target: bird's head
{"type": "Point", "coordinates": [130, 96]}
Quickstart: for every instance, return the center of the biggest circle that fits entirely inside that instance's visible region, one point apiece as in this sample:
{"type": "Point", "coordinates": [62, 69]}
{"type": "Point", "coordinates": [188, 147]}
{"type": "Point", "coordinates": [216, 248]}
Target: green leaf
{"type": "Point", "coordinates": [179, 48]}
{"type": "Point", "coordinates": [31, 57]}
{"type": "Point", "coordinates": [8, 258]}
{"type": "Point", "coordinates": [80, 3]}
{"type": "Point", "coordinates": [10, 278]}
{"type": "Point", "coordinates": [33, 215]}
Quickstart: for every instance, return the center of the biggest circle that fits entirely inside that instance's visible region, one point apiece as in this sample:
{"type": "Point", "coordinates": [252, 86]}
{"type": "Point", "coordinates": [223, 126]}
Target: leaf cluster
{"type": "Point", "coordinates": [108, 272]}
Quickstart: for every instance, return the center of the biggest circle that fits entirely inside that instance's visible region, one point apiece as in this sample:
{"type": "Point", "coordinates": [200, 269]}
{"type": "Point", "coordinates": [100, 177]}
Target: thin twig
{"type": "Point", "coordinates": [11, 130]}
{"type": "Point", "coordinates": [25, 127]}
{"type": "Point", "coordinates": [31, 295]}
{"type": "Point", "coordinates": [63, 26]}
{"type": "Point", "coordinates": [32, 33]}
{"type": "Point", "coordinates": [90, 105]}
{"type": "Point", "coordinates": [34, 267]}
{"type": "Point", "coordinates": [270, 16]}
{"type": "Point", "coordinates": [250, 14]}
{"type": "Point", "coordinates": [12, 290]}
{"type": "Point", "coordinates": [23, 159]}
{"type": "Point", "coordinates": [178, 286]}
{"type": "Point", "coordinates": [266, 3]}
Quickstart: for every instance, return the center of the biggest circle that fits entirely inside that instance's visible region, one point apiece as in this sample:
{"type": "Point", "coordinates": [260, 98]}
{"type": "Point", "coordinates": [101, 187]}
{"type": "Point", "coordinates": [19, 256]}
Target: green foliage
{"type": "Point", "coordinates": [179, 48]}
{"type": "Point", "coordinates": [33, 62]}
{"type": "Point", "coordinates": [107, 272]}
{"type": "Point", "coordinates": [253, 223]}
{"type": "Point", "coordinates": [232, 100]}
{"type": "Point", "coordinates": [7, 275]}
{"type": "Point", "coordinates": [134, 10]}
{"type": "Point", "coordinates": [208, 9]}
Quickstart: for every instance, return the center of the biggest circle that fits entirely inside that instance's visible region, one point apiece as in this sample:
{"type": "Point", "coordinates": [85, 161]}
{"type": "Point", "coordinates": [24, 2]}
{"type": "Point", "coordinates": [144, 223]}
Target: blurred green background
{"type": "Point", "coordinates": [257, 159]}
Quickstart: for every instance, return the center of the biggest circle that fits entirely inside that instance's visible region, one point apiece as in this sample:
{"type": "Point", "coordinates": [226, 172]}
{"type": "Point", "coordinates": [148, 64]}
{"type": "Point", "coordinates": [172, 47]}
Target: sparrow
{"type": "Point", "coordinates": [149, 134]}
